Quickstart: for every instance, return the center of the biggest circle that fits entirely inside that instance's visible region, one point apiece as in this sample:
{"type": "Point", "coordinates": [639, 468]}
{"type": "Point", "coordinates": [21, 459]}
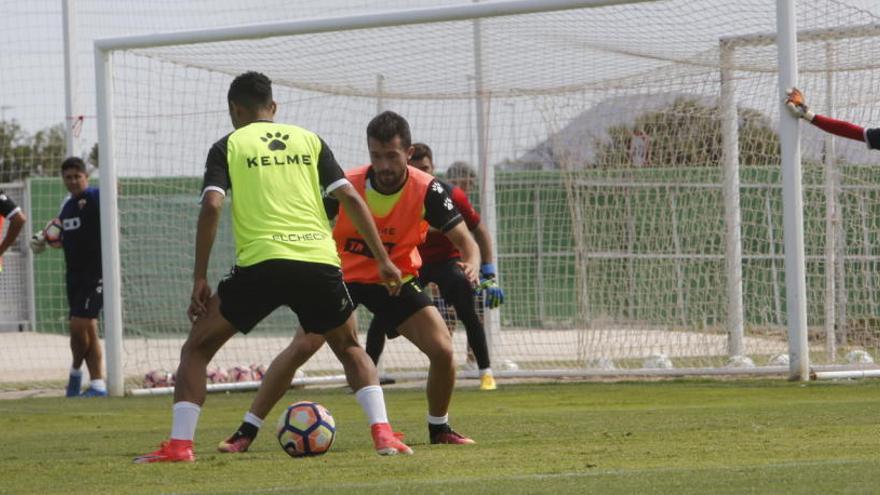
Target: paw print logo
{"type": "Point", "coordinates": [276, 141]}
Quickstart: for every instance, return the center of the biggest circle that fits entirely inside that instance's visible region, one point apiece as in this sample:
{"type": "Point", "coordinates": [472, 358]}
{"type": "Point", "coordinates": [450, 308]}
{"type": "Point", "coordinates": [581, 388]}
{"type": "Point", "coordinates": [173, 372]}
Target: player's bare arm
{"type": "Point", "coordinates": [484, 242]}
{"type": "Point", "coordinates": [362, 219]}
{"type": "Point", "coordinates": [206, 232]}
{"type": "Point", "coordinates": [15, 225]}
{"type": "Point", "coordinates": [470, 253]}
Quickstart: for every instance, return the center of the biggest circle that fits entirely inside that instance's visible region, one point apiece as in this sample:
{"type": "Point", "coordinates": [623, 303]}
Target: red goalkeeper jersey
{"type": "Point", "coordinates": [848, 130]}
{"type": "Point", "coordinates": [437, 247]}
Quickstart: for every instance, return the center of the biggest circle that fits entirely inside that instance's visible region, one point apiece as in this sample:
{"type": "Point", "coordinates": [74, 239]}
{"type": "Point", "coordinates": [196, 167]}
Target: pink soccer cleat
{"type": "Point", "coordinates": [388, 442]}
{"type": "Point", "coordinates": [169, 451]}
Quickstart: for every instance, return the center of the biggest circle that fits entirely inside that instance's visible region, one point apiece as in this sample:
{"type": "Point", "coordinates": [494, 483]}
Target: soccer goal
{"type": "Point", "coordinates": [628, 158]}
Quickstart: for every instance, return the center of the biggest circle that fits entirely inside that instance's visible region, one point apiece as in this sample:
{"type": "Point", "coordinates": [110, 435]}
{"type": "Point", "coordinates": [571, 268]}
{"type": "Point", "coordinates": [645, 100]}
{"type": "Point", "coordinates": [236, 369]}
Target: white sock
{"type": "Point", "coordinates": [438, 420]}
{"type": "Point", "coordinates": [185, 418]}
{"type": "Point", "coordinates": [252, 418]}
{"type": "Point", "coordinates": [372, 401]}
{"type": "Point", "coordinates": [485, 371]}
{"type": "Point", "coordinates": [75, 371]}
{"type": "Point", "coordinates": [98, 385]}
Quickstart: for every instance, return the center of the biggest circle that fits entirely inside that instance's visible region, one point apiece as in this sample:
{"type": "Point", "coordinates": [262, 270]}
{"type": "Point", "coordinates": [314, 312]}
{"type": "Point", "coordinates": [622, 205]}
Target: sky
{"type": "Point", "coordinates": [32, 65]}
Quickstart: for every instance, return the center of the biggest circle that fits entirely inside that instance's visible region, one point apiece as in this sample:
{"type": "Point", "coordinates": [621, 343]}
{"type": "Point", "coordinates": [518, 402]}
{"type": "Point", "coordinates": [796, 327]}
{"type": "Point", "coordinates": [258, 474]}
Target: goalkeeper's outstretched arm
{"type": "Point", "coordinates": [797, 105]}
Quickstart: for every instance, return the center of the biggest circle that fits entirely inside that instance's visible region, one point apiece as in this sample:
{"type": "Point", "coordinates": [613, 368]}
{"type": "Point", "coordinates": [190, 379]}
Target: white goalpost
{"type": "Point", "coordinates": [792, 197]}
{"type": "Point", "coordinates": [630, 177]}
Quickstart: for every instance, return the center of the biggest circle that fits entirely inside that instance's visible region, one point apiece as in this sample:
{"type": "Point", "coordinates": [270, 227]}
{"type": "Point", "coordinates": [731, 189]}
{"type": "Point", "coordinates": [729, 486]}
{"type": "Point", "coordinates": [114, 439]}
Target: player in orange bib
{"type": "Point", "coordinates": [404, 201]}
{"type": "Point", "coordinates": [440, 266]}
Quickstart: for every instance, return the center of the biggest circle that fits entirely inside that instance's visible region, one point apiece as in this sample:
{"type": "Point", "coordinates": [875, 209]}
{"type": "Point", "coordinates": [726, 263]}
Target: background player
{"type": "Point", "coordinates": [285, 255]}
{"type": "Point", "coordinates": [440, 265]}
{"type": "Point", "coordinates": [797, 105]}
{"type": "Point", "coordinates": [12, 212]}
{"type": "Point", "coordinates": [401, 199]}
{"type": "Point", "coordinates": [81, 240]}
{"type": "Point", "coordinates": [461, 175]}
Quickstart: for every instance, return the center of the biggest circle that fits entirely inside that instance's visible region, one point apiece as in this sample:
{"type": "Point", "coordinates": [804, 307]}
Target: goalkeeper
{"type": "Point", "coordinates": [797, 105]}
{"type": "Point", "coordinates": [441, 266]}
{"type": "Point", "coordinates": [81, 240]}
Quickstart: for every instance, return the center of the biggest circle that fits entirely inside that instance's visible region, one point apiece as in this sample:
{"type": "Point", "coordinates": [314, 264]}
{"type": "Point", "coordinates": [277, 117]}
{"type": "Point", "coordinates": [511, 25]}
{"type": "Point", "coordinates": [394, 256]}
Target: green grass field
{"type": "Point", "coordinates": [659, 437]}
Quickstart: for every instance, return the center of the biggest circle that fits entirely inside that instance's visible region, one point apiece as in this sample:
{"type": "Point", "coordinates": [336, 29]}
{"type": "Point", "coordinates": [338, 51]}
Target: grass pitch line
{"type": "Point", "coordinates": [593, 473]}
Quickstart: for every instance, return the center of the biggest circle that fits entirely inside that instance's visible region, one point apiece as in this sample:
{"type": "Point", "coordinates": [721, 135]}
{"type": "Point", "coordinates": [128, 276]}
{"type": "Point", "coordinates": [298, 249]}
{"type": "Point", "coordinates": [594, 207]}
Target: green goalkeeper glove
{"type": "Point", "coordinates": [797, 105]}
{"type": "Point", "coordinates": [38, 242]}
{"type": "Point", "coordinates": [488, 286]}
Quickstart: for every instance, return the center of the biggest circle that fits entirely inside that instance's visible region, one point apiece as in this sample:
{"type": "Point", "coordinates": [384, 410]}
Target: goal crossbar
{"type": "Point", "coordinates": [824, 34]}
{"type": "Point", "coordinates": [354, 22]}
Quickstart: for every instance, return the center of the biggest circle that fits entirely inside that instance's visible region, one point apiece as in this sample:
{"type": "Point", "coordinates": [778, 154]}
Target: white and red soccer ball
{"type": "Point", "coordinates": [240, 374]}
{"type": "Point", "coordinates": [305, 429]}
{"type": "Point", "coordinates": [217, 375]}
{"type": "Point", "coordinates": [258, 371]}
{"type": "Point", "coordinates": [158, 378]}
{"type": "Point", "coordinates": [53, 233]}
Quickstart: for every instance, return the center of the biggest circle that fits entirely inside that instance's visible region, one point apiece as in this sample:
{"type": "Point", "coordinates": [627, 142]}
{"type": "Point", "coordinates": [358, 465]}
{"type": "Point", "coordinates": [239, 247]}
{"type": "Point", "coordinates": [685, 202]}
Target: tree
{"type": "Point", "coordinates": [11, 138]}
{"type": "Point", "coordinates": [688, 134]}
{"type": "Point", "coordinates": [22, 155]}
{"type": "Point", "coordinates": [93, 156]}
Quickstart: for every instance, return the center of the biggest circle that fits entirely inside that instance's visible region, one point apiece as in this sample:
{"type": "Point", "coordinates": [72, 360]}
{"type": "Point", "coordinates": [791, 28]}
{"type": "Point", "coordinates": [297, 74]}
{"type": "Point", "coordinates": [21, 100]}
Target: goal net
{"type": "Point", "coordinates": [628, 154]}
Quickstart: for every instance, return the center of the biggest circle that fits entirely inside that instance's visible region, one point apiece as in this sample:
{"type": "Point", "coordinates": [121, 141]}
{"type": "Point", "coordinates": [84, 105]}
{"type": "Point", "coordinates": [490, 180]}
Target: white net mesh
{"type": "Point", "coordinates": [606, 138]}
{"type": "Point", "coordinates": [604, 129]}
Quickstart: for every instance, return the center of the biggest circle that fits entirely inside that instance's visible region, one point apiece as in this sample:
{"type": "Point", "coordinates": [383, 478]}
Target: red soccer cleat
{"type": "Point", "coordinates": [235, 443]}
{"type": "Point", "coordinates": [388, 442]}
{"type": "Point", "coordinates": [447, 436]}
{"type": "Point", "coordinates": [169, 451]}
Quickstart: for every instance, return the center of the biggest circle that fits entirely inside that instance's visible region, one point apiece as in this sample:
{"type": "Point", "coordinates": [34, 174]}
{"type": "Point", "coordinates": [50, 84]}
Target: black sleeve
{"type": "Point", "coordinates": [872, 137]}
{"type": "Point", "coordinates": [217, 167]}
{"type": "Point", "coordinates": [329, 170]}
{"type": "Point", "coordinates": [331, 206]}
{"type": "Point", "coordinates": [440, 212]}
{"type": "Point", "coordinates": [7, 206]}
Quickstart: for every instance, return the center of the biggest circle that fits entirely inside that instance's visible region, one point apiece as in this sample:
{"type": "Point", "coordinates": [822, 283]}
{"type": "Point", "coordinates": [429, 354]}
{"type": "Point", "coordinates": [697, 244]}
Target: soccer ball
{"type": "Point", "coordinates": [240, 374]}
{"type": "Point", "coordinates": [658, 361]}
{"type": "Point", "coordinates": [217, 375]}
{"type": "Point", "coordinates": [509, 365]}
{"type": "Point", "coordinates": [305, 429]}
{"type": "Point", "coordinates": [740, 361]}
{"type": "Point", "coordinates": [780, 359]}
{"type": "Point", "coordinates": [53, 232]}
{"type": "Point", "coordinates": [158, 378]}
{"type": "Point", "coordinates": [600, 363]}
{"type": "Point", "coordinates": [258, 371]}
{"type": "Point", "coordinates": [859, 356]}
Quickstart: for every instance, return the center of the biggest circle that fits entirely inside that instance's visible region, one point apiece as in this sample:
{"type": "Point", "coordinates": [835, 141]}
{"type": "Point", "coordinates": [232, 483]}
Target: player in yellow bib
{"type": "Point", "coordinates": [285, 256]}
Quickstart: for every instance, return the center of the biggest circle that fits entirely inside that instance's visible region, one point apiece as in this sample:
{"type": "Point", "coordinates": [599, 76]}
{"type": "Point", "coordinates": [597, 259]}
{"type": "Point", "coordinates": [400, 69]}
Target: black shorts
{"type": "Point", "coordinates": [314, 291]}
{"type": "Point", "coordinates": [85, 295]}
{"type": "Point", "coordinates": [390, 311]}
